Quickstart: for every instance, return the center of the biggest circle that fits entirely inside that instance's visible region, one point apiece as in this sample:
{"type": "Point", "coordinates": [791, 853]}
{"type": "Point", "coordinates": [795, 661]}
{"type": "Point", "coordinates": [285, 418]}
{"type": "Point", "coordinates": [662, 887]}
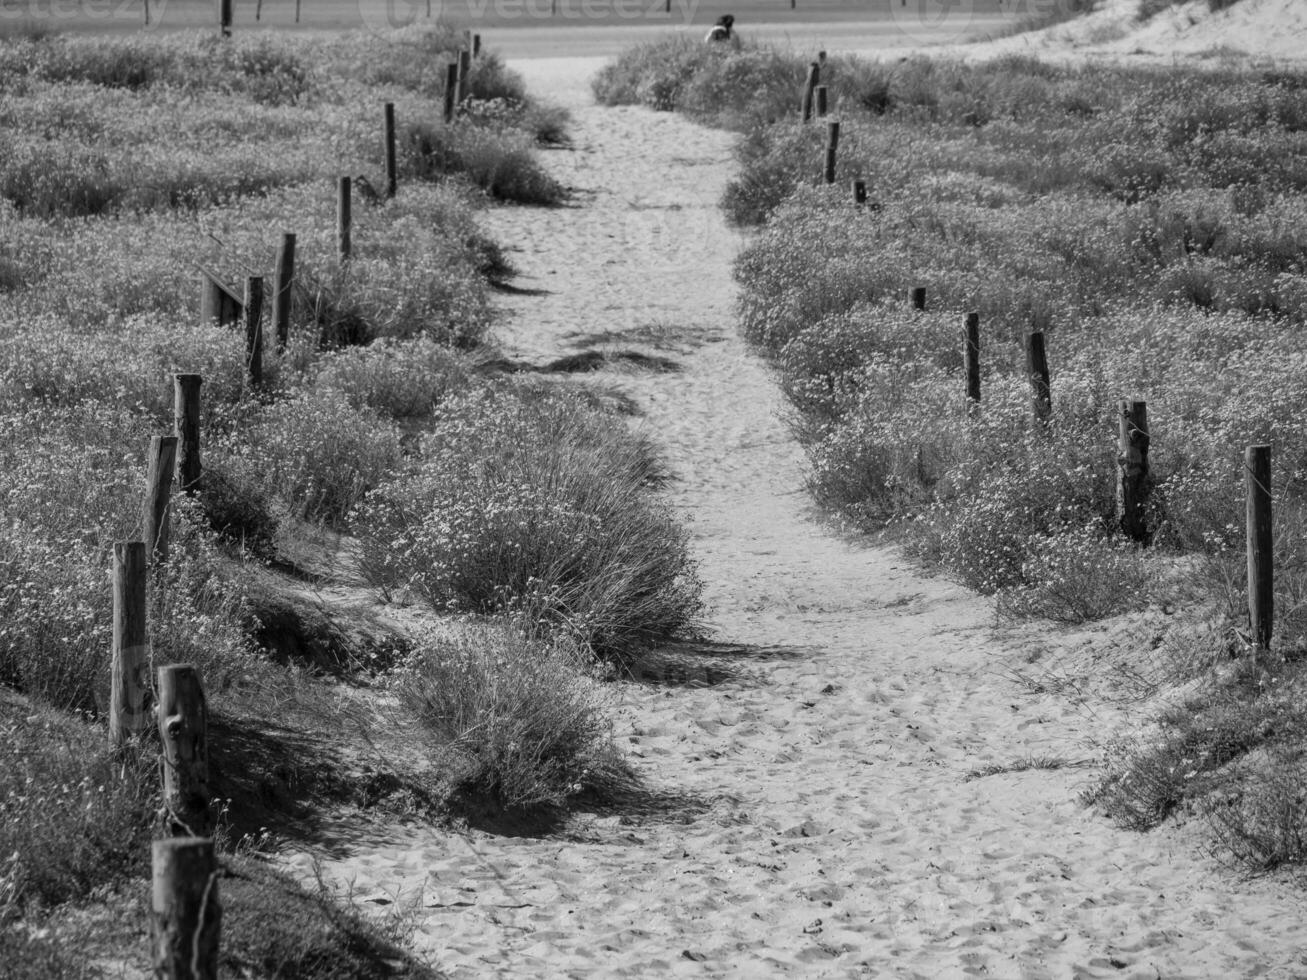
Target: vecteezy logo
{"type": "Point", "coordinates": [933, 21]}
{"type": "Point", "coordinates": [388, 15]}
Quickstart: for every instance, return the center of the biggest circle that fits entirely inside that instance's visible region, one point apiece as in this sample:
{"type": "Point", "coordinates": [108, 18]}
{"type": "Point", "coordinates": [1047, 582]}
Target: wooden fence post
{"type": "Point", "coordinates": [258, 9]}
{"type": "Point", "coordinates": [224, 17]}
{"type": "Point", "coordinates": [971, 359]}
{"type": "Point", "coordinates": [186, 426]}
{"type": "Point", "coordinates": [476, 46]}
{"type": "Point", "coordinates": [281, 298]}
{"type": "Point", "coordinates": [1261, 559]}
{"type": "Point", "coordinates": [254, 329]}
{"type": "Point", "coordinates": [129, 681]}
{"type": "Point", "coordinates": [147, 13]}
{"type": "Point", "coordinates": [832, 146]}
{"type": "Point", "coordinates": [809, 87]}
{"type": "Point", "coordinates": [392, 173]}
{"type": "Point", "coordinates": [1133, 483]}
{"type": "Point", "coordinates": [860, 193]}
{"type": "Point", "coordinates": [919, 298]}
{"type": "Point", "coordinates": [464, 67]}
{"type": "Point", "coordinates": [183, 719]}
{"type": "Point", "coordinates": [186, 918]}
{"type": "Point", "coordinates": [297, 10]}
{"type": "Point", "coordinates": [1041, 391]}
{"type": "Point", "coordinates": [451, 91]}
{"type": "Point", "coordinates": [217, 304]}
{"type": "Point", "coordinates": [821, 100]}
{"type": "Point", "coordinates": [342, 220]}
{"type": "Point", "coordinates": [158, 494]}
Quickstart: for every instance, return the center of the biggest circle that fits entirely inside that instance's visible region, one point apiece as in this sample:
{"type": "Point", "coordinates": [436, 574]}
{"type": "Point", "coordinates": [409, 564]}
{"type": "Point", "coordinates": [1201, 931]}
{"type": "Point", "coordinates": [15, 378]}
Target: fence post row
{"type": "Point", "coordinates": [971, 359]}
{"type": "Point", "coordinates": [158, 491]}
{"type": "Point", "coordinates": [128, 683]}
{"type": "Point", "coordinates": [1041, 396]}
{"type": "Point", "coordinates": [1133, 483]}
{"type": "Point", "coordinates": [186, 917]}
{"type": "Point", "coordinates": [1261, 595]}
{"type": "Point", "coordinates": [809, 87]}
{"type": "Point", "coordinates": [254, 329]}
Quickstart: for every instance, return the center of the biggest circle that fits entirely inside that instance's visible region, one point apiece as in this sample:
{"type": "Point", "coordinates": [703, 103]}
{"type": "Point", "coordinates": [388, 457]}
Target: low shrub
{"type": "Point", "coordinates": [527, 719]}
{"type": "Point", "coordinates": [532, 503]}
{"type": "Point", "coordinates": [74, 813]}
{"type": "Point", "coordinates": [322, 454]}
{"type": "Point", "coordinates": [494, 156]}
{"type": "Point", "coordinates": [399, 379]}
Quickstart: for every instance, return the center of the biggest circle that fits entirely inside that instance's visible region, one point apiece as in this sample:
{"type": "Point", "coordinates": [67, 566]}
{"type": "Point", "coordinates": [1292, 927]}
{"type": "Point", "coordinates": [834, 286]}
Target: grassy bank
{"type": "Point", "coordinates": [374, 462]}
{"type": "Point", "coordinates": [1152, 225]}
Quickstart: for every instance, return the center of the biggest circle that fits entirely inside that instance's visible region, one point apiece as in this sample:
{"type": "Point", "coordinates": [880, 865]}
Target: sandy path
{"type": "Point", "coordinates": [838, 835]}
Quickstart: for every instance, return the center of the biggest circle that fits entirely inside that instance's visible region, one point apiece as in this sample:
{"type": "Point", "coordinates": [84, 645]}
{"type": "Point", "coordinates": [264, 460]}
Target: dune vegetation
{"type": "Point", "coordinates": [372, 465]}
{"type": "Point", "coordinates": [1151, 225]}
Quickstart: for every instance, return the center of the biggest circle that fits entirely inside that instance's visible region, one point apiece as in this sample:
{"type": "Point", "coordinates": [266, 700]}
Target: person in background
{"type": "Point", "coordinates": [721, 31]}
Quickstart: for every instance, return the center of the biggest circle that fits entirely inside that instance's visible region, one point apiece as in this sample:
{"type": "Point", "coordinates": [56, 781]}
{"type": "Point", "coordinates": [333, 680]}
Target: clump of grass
{"type": "Point", "coordinates": [74, 813]}
{"type": "Point", "coordinates": [527, 720]}
{"type": "Point", "coordinates": [529, 502]}
{"type": "Point", "coordinates": [497, 158]}
{"type": "Point", "coordinates": [402, 380]}
{"type": "Point", "coordinates": [322, 453]}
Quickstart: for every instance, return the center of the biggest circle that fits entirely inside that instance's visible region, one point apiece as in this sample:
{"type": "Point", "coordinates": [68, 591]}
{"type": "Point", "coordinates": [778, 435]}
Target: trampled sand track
{"type": "Point", "coordinates": [818, 819]}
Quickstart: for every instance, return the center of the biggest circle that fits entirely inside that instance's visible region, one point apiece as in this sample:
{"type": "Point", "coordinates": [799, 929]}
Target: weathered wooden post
{"type": "Point", "coordinates": [147, 13]}
{"type": "Point", "coordinates": [254, 329]}
{"type": "Point", "coordinates": [476, 46]}
{"type": "Point", "coordinates": [217, 303]}
{"type": "Point", "coordinates": [832, 146]}
{"type": "Point", "coordinates": [258, 9]}
{"type": "Point", "coordinates": [1133, 483]}
{"type": "Point", "coordinates": [860, 193]}
{"type": "Point", "coordinates": [297, 10]}
{"type": "Point", "coordinates": [224, 17]}
{"type": "Point", "coordinates": [392, 173]}
{"type": "Point", "coordinates": [809, 87]}
{"type": "Point", "coordinates": [186, 426]}
{"type": "Point", "coordinates": [464, 69]}
{"type": "Point", "coordinates": [821, 101]}
{"type": "Point", "coordinates": [186, 917]}
{"type": "Point", "coordinates": [451, 91]}
{"type": "Point", "coordinates": [919, 298]}
{"type": "Point", "coordinates": [342, 220]}
{"type": "Point", "coordinates": [129, 682]}
{"type": "Point", "coordinates": [183, 719]}
{"type": "Point", "coordinates": [971, 360]}
{"type": "Point", "coordinates": [821, 58]}
{"type": "Point", "coordinates": [1041, 390]}
{"type": "Point", "coordinates": [158, 494]}
{"type": "Point", "coordinates": [281, 297]}
{"type": "Point", "coordinates": [1261, 559]}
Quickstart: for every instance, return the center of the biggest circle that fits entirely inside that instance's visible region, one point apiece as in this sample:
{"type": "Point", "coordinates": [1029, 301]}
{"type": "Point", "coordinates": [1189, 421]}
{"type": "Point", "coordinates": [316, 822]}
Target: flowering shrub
{"type": "Point", "coordinates": [322, 454]}
{"type": "Point", "coordinates": [400, 379]}
{"type": "Point", "coordinates": [527, 720]}
{"type": "Point", "coordinates": [532, 504]}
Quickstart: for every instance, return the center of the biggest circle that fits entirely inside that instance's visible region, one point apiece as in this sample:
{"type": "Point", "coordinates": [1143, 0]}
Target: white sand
{"type": "Point", "coordinates": [838, 834]}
